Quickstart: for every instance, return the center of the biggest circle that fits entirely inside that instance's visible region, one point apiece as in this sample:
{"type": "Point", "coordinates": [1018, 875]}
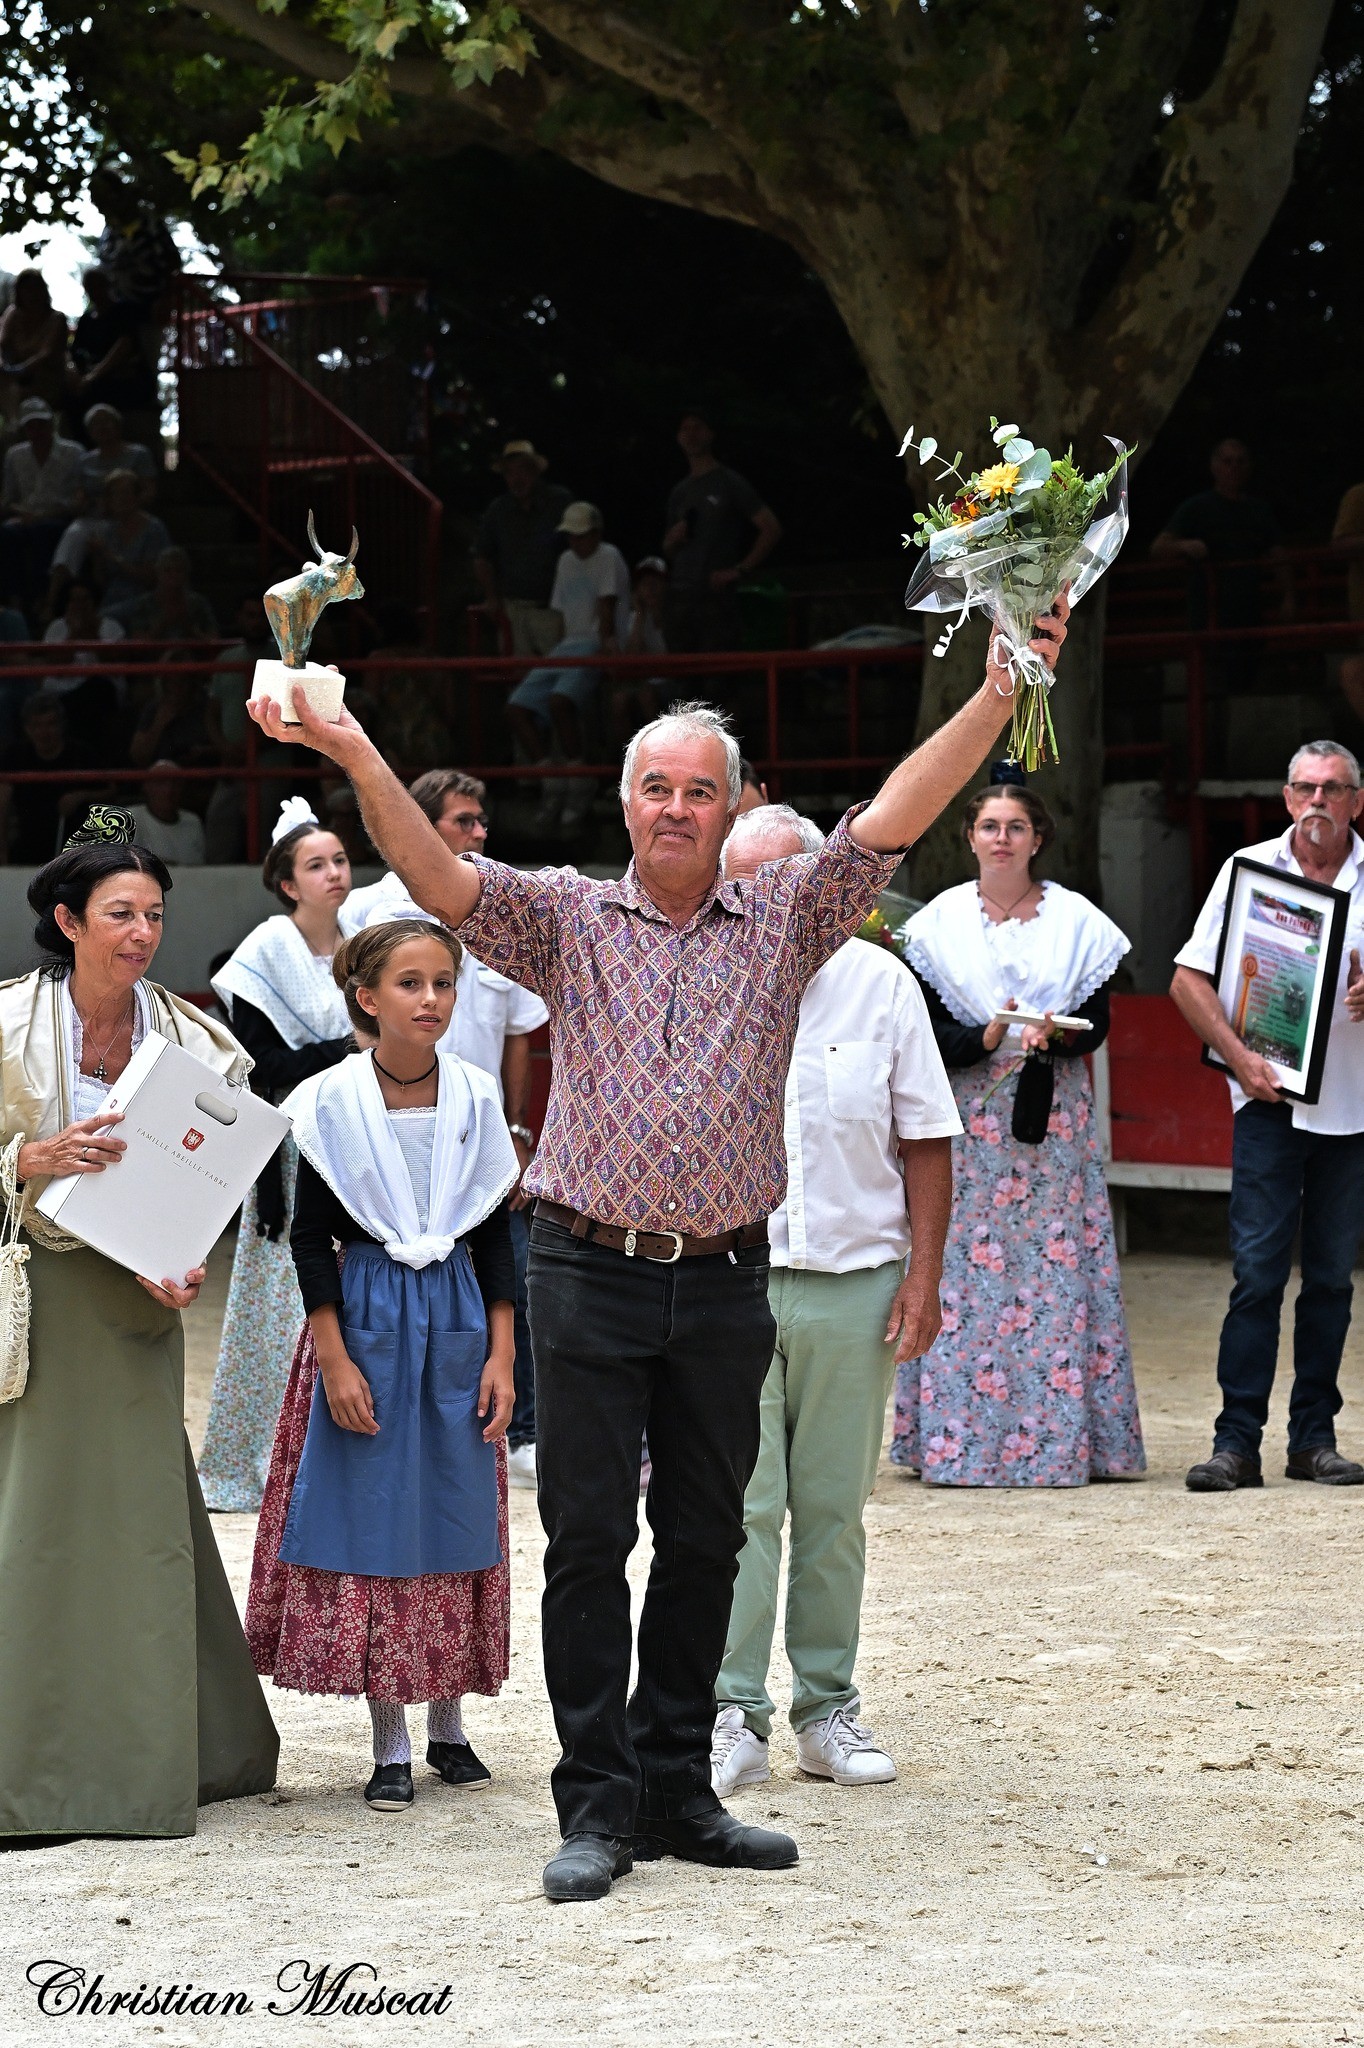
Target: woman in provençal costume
{"type": "Point", "coordinates": [1030, 1382]}
{"type": "Point", "coordinates": [127, 1695]}
{"type": "Point", "coordinates": [289, 1014]}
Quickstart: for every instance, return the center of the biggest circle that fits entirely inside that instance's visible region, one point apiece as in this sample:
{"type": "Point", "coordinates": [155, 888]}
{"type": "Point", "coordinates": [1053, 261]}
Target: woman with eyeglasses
{"type": "Point", "coordinates": [289, 1014]}
{"type": "Point", "coordinates": [1030, 1382]}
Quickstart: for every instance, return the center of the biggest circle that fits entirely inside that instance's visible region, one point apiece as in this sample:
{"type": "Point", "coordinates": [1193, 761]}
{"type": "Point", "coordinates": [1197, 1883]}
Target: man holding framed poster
{"type": "Point", "coordinates": [1272, 983]}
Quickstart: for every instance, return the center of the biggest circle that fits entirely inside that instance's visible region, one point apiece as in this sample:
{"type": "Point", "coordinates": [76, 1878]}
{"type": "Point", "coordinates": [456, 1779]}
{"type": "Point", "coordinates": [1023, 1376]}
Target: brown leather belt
{"type": "Point", "coordinates": [663, 1247]}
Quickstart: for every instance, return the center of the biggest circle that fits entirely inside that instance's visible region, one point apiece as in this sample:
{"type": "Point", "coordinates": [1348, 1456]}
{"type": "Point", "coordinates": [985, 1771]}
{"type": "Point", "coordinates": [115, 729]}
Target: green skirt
{"type": "Point", "coordinates": [127, 1694]}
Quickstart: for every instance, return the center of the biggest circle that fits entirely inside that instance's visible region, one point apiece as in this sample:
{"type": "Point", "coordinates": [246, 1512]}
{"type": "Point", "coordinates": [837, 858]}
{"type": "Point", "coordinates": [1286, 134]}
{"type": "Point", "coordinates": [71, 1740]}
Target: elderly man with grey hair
{"type": "Point", "coordinates": [1297, 1168]}
{"type": "Point", "coordinates": [869, 1123]}
{"type": "Point", "coordinates": [673, 997]}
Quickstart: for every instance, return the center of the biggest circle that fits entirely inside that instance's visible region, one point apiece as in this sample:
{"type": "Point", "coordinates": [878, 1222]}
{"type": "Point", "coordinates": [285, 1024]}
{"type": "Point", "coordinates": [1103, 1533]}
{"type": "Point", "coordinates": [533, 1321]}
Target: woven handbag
{"type": "Point", "coordinates": [14, 1288]}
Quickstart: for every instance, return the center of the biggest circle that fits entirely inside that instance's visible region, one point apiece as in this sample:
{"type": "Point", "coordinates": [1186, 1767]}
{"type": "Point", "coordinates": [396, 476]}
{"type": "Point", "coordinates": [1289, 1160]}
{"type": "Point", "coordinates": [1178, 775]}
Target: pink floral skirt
{"type": "Point", "coordinates": [1030, 1382]}
{"type": "Point", "coordinates": [430, 1638]}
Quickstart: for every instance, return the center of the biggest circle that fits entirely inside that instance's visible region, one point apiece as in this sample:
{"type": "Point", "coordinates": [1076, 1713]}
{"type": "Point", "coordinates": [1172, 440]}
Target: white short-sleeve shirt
{"type": "Point", "coordinates": [1339, 1112]}
{"type": "Point", "coordinates": [865, 1073]}
{"type": "Point", "coordinates": [489, 1009]}
{"type": "Point", "coordinates": [580, 584]}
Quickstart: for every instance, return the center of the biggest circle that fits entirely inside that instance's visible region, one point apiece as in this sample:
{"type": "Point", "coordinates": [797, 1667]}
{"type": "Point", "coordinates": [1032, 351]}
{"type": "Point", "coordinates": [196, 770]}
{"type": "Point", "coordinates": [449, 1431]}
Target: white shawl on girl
{"type": "Point", "coordinates": [1071, 950]}
{"type": "Point", "coordinates": [342, 1128]}
{"type": "Point", "coordinates": [276, 969]}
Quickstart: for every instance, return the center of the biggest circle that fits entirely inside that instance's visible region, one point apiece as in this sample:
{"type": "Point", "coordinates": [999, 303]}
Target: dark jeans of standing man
{"type": "Point", "coordinates": [1281, 1177]}
{"type": "Point", "coordinates": [521, 1428]}
{"type": "Point", "coordinates": [621, 1345]}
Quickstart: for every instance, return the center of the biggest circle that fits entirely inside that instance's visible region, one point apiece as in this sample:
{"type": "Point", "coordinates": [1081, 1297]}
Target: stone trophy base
{"type": "Point", "coordinates": [323, 688]}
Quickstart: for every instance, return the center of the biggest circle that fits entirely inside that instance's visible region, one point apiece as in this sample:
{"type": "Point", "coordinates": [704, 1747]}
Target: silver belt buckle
{"type": "Point", "coordinates": [676, 1237]}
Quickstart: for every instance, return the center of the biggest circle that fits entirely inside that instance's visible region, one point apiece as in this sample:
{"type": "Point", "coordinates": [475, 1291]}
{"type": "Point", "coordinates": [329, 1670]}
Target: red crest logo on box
{"type": "Point", "coordinates": [192, 1140]}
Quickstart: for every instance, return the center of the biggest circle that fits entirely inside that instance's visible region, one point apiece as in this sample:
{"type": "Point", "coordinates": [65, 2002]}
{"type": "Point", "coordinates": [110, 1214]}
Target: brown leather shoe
{"type": "Point", "coordinates": [1324, 1464]}
{"type": "Point", "coordinates": [1224, 1472]}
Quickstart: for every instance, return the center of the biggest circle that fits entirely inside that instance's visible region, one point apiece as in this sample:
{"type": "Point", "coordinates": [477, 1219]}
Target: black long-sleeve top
{"type": "Point", "coordinates": [321, 1221]}
{"type": "Point", "coordinates": [963, 1045]}
{"type": "Point", "coordinates": [278, 1068]}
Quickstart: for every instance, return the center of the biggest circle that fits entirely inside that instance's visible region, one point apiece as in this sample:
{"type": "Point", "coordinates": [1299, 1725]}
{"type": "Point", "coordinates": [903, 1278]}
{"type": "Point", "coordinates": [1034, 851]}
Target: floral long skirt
{"type": "Point", "coordinates": [260, 1329]}
{"type": "Point", "coordinates": [1030, 1382]}
{"type": "Point", "coordinates": [430, 1638]}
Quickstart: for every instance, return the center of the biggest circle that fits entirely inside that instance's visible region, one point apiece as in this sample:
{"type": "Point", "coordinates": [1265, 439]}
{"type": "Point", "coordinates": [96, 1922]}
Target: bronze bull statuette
{"type": "Point", "coordinates": [294, 606]}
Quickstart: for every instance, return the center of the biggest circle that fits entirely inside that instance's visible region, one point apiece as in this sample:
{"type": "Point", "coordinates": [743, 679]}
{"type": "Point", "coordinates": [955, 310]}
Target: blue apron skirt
{"type": "Point", "coordinates": [421, 1496]}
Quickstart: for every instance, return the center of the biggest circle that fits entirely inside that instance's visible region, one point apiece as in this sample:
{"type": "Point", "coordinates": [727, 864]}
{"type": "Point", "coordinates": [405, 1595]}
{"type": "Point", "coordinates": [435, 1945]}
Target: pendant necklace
{"type": "Point", "coordinates": [99, 1072]}
{"type": "Point", "coordinates": [405, 1084]}
{"type": "Point", "coordinates": [1005, 910]}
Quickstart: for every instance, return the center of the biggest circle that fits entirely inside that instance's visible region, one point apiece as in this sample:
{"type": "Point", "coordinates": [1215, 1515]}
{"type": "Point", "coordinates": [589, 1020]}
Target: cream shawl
{"type": "Point", "coordinates": [35, 1081]}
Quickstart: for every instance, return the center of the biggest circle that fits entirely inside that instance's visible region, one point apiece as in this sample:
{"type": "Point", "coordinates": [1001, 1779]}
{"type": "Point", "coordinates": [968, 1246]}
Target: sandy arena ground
{"type": "Point", "coordinates": [1130, 1729]}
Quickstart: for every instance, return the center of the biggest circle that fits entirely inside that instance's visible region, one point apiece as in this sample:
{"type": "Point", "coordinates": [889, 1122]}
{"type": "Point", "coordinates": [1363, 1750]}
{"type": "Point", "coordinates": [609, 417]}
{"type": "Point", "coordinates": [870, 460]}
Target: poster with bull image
{"type": "Point", "coordinates": [1278, 964]}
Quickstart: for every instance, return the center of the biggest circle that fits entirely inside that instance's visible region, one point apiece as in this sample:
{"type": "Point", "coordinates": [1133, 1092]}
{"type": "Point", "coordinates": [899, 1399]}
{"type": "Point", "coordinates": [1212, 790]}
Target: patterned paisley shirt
{"type": "Point", "coordinates": [670, 1047]}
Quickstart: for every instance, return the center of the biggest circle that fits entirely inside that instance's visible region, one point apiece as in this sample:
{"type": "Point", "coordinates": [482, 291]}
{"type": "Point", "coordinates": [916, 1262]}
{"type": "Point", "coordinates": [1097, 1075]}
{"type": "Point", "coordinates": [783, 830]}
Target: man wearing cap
{"type": "Point", "coordinates": [591, 594]}
{"type": "Point", "coordinates": [39, 489]}
{"type": "Point", "coordinates": [517, 547]}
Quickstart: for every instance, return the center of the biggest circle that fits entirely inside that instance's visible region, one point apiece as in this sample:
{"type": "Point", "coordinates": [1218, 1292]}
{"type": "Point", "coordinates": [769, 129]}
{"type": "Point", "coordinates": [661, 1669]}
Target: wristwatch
{"type": "Point", "coordinates": [522, 1131]}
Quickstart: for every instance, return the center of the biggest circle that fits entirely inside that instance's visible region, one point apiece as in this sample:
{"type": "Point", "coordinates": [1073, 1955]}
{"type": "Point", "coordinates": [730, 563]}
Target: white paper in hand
{"type": "Point", "coordinates": [195, 1146]}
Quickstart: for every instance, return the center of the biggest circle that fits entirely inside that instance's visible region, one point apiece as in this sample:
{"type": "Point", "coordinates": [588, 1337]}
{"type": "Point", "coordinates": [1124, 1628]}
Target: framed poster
{"type": "Point", "coordinates": [1278, 961]}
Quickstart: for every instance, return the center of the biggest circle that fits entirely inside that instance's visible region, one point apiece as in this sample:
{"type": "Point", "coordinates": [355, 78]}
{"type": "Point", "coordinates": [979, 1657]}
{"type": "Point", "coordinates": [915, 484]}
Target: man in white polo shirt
{"type": "Point", "coordinates": [1295, 1167]}
{"type": "Point", "coordinates": [870, 1120]}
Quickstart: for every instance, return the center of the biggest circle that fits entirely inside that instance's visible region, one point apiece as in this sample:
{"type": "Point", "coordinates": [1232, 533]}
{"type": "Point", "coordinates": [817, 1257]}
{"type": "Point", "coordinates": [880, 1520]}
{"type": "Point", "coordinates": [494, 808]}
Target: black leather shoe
{"type": "Point", "coordinates": [457, 1764]}
{"type": "Point", "coordinates": [1223, 1472]}
{"type": "Point", "coordinates": [1324, 1464]}
{"type": "Point", "coordinates": [586, 1867]}
{"type": "Point", "coordinates": [390, 1789]}
{"type": "Point", "coordinates": [716, 1838]}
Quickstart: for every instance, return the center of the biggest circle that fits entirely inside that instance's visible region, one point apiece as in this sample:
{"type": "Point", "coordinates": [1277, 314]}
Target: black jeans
{"type": "Point", "coordinates": [521, 1429]}
{"type": "Point", "coordinates": [1282, 1177]}
{"type": "Point", "coordinates": [623, 1345]}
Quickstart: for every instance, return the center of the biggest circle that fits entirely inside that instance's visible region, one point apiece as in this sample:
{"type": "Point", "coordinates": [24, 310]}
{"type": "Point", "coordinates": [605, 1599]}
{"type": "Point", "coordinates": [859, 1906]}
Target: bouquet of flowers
{"type": "Point", "coordinates": [1009, 539]}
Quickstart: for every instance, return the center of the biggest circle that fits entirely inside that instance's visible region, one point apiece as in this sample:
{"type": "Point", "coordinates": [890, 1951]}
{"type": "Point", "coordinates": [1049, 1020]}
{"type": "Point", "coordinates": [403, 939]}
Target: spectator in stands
{"type": "Point", "coordinates": [1347, 538]}
{"type": "Point", "coordinates": [718, 531]}
{"type": "Point", "coordinates": [171, 609]}
{"type": "Point", "coordinates": [174, 721]}
{"type": "Point", "coordinates": [93, 696]}
{"type": "Point", "coordinates": [517, 549]}
{"type": "Point", "coordinates": [634, 699]}
{"type": "Point", "coordinates": [121, 548]}
{"type": "Point", "coordinates": [39, 487]}
{"type": "Point", "coordinates": [1234, 532]}
{"type": "Point", "coordinates": [753, 791]}
{"type": "Point", "coordinates": [159, 823]}
{"type": "Point", "coordinates": [591, 595]}
{"type": "Point", "coordinates": [34, 815]}
{"type": "Point", "coordinates": [108, 363]}
{"type": "Point", "coordinates": [225, 716]}
{"type": "Point", "coordinates": [32, 343]}
{"type": "Point", "coordinates": [109, 450]}
{"type": "Point", "coordinates": [135, 250]}
{"type": "Point", "coordinates": [413, 730]}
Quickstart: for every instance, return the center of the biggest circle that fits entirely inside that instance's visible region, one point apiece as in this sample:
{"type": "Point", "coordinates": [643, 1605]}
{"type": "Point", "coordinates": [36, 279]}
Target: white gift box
{"type": "Point", "coordinates": [323, 687]}
{"type": "Point", "coordinates": [195, 1146]}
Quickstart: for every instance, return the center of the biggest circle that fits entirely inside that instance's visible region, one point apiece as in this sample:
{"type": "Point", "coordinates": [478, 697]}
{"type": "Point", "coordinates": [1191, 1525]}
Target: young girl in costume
{"type": "Point", "coordinates": [381, 1555]}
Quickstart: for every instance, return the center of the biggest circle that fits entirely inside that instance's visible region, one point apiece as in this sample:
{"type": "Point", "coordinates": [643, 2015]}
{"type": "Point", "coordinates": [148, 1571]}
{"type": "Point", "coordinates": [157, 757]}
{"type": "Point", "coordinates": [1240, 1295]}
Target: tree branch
{"type": "Point", "coordinates": [1228, 167]}
{"type": "Point", "coordinates": [632, 52]}
{"type": "Point", "coordinates": [316, 57]}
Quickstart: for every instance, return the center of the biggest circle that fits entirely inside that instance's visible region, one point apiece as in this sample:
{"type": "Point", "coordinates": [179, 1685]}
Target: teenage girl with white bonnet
{"type": "Point", "coordinates": [286, 1009]}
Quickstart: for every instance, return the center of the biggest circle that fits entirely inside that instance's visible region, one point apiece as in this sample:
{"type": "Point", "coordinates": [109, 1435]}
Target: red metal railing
{"type": "Point", "coordinates": [278, 448]}
{"type": "Point", "coordinates": [848, 712]}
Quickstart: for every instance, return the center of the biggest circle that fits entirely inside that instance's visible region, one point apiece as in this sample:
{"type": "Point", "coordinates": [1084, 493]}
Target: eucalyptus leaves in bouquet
{"type": "Point", "coordinates": [1010, 539]}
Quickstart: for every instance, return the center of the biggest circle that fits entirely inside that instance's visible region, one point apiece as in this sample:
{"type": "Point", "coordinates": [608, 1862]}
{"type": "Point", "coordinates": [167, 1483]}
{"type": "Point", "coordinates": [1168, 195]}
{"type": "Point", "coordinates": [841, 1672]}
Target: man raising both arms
{"type": "Point", "coordinates": [673, 997]}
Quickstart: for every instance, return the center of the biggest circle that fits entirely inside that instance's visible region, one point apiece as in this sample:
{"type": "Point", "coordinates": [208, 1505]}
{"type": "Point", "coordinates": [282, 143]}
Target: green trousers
{"type": "Point", "coordinates": [823, 1412]}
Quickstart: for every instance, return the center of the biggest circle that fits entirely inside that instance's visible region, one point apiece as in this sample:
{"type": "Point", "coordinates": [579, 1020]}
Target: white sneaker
{"type": "Point", "coordinates": [842, 1749]}
{"type": "Point", "coordinates": [737, 1755]}
{"type": "Point", "coordinates": [521, 1466]}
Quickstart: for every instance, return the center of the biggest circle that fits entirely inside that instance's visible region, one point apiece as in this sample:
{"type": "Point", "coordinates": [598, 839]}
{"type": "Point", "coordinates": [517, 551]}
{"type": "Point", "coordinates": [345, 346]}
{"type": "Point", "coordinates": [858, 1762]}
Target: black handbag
{"type": "Point", "coordinates": [1032, 1098]}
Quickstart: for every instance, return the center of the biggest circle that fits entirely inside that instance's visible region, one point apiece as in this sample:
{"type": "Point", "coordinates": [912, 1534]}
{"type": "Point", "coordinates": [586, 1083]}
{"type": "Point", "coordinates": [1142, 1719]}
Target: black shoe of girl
{"type": "Point", "coordinates": [390, 1789]}
{"type": "Point", "coordinates": [457, 1764]}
